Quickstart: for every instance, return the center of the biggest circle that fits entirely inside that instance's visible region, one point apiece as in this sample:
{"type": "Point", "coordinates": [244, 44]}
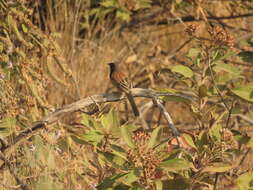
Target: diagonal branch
{"type": "Point", "coordinates": [98, 99]}
{"type": "Point", "coordinates": [171, 125]}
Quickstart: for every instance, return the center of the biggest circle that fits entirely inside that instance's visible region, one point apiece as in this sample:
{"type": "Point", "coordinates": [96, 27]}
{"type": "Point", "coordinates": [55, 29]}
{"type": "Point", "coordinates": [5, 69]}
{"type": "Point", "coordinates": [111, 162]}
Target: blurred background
{"type": "Point", "coordinates": [53, 53]}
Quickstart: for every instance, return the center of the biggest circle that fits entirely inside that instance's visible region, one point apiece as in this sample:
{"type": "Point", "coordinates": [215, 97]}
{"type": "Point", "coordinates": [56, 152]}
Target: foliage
{"type": "Point", "coordinates": [52, 53]}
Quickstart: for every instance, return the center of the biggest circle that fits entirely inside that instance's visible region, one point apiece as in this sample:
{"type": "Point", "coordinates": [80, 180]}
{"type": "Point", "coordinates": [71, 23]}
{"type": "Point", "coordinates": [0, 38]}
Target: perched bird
{"type": "Point", "coordinates": [123, 84]}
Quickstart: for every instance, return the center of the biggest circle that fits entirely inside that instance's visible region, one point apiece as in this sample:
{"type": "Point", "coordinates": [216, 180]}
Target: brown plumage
{"type": "Point", "coordinates": [123, 84]}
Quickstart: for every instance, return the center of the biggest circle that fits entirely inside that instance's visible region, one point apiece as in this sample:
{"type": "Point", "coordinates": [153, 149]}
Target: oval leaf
{"type": "Point", "coordinates": [229, 68]}
{"type": "Point", "coordinates": [110, 122]}
{"type": "Point", "coordinates": [218, 167]}
{"type": "Point", "coordinates": [189, 141]}
{"type": "Point", "coordinates": [245, 92]}
{"type": "Point", "coordinates": [7, 126]}
{"type": "Point", "coordinates": [193, 52]}
{"type": "Point", "coordinates": [130, 177]}
{"type": "Point", "coordinates": [127, 136]}
{"type": "Point", "coordinates": [215, 133]}
{"type": "Point", "coordinates": [93, 136]}
{"type": "Point", "coordinates": [176, 164]}
{"type": "Point", "coordinates": [183, 70]}
{"type": "Point", "coordinates": [114, 160]}
{"type": "Point", "coordinates": [155, 137]}
{"type": "Point", "coordinates": [246, 56]}
{"type": "Point", "coordinates": [245, 181]}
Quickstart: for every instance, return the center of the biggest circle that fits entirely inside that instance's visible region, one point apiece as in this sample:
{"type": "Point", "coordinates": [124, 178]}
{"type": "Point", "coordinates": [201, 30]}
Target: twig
{"type": "Point", "coordinates": [244, 157]}
{"type": "Point", "coordinates": [171, 125]}
{"type": "Point", "coordinates": [174, 52]}
{"type": "Point", "coordinates": [245, 118]}
{"type": "Point", "coordinates": [216, 180]}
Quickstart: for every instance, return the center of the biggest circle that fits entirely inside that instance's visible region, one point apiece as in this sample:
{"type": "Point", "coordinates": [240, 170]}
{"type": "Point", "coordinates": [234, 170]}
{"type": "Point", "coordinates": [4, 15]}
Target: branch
{"type": "Point", "coordinates": [149, 19]}
{"type": "Point", "coordinates": [98, 99]}
{"type": "Point", "coordinates": [167, 116]}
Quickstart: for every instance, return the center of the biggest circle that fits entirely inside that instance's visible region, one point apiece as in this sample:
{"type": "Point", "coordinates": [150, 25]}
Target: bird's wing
{"type": "Point", "coordinates": [122, 81]}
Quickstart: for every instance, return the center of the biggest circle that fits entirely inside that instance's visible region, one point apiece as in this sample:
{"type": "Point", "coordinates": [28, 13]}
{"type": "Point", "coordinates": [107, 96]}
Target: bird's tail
{"type": "Point", "coordinates": [133, 104]}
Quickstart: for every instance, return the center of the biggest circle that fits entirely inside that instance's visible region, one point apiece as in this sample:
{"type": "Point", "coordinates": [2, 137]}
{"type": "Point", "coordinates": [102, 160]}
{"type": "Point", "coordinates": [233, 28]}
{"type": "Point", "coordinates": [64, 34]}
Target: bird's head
{"type": "Point", "coordinates": [112, 66]}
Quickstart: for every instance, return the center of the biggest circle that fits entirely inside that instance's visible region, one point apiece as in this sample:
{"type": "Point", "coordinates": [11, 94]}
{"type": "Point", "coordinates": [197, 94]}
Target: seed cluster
{"type": "Point", "coordinates": [229, 141]}
{"type": "Point", "coordinates": [145, 158]}
{"type": "Point", "coordinates": [191, 29]}
{"type": "Point", "coordinates": [221, 37]}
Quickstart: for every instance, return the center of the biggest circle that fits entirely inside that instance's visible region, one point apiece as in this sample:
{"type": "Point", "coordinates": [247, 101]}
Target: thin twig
{"type": "Point", "coordinates": [216, 180]}
{"type": "Point", "coordinates": [243, 117]}
{"type": "Point", "coordinates": [167, 116]}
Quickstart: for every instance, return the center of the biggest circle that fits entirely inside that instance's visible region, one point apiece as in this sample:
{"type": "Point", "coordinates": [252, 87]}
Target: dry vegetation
{"type": "Point", "coordinates": [53, 53]}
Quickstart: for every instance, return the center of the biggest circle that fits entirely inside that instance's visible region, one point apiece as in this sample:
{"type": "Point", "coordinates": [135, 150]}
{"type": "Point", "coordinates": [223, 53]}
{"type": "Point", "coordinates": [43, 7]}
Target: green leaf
{"type": "Point", "coordinates": [218, 167]}
{"type": "Point", "coordinates": [245, 181]}
{"type": "Point", "coordinates": [245, 92]}
{"type": "Point", "coordinates": [189, 140]}
{"type": "Point", "coordinates": [229, 68]}
{"type": "Point", "coordinates": [175, 99]}
{"type": "Point", "coordinates": [215, 133]}
{"type": "Point", "coordinates": [143, 4]}
{"type": "Point", "coordinates": [176, 164]}
{"type": "Point", "coordinates": [219, 56]}
{"type": "Point", "coordinates": [193, 52]}
{"type": "Point", "coordinates": [127, 136]}
{"type": "Point", "coordinates": [177, 184]}
{"type": "Point", "coordinates": [110, 121]}
{"type": "Point", "coordinates": [123, 14]}
{"type": "Point", "coordinates": [246, 56]}
{"type": "Point", "coordinates": [130, 177]}
{"type": "Point", "coordinates": [88, 121]}
{"type": "Point", "coordinates": [117, 150]}
{"type": "Point", "coordinates": [203, 91]}
{"type": "Point", "coordinates": [223, 78]}
{"type": "Point", "coordinates": [93, 136]}
{"type": "Point", "coordinates": [131, 127]}
{"type": "Point", "coordinates": [155, 137]}
{"type": "Point", "coordinates": [183, 70]}
{"type": "Point", "coordinates": [24, 28]}
{"type": "Point", "coordinates": [76, 139]}
{"type": "Point", "coordinates": [109, 182]}
{"type": "Point", "coordinates": [242, 139]}
{"type": "Point", "coordinates": [7, 126]}
{"type": "Point", "coordinates": [94, 11]}
{"type": "Point", "coordinates": [114, 160]}
{"type": "Point", "coordinates": [109, 3]}
{"type": "Point", "coordinates": [202, 140]}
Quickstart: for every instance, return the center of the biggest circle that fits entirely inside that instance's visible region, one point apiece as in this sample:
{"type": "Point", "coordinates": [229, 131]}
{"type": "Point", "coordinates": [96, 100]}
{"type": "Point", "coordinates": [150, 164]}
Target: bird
{"type": "Point", "coordinates": [123, 84]}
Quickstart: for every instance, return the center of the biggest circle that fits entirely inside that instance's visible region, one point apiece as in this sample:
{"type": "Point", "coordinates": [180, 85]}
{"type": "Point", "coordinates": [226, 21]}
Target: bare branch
{"type": "Point", "coordinates": [98, 99]}
{"type": "Point", "coordinates": [167, 116]}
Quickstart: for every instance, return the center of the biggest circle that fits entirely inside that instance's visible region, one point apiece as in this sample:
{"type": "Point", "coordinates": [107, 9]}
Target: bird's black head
{"type": "Point", "coordinates": [112, 67]}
